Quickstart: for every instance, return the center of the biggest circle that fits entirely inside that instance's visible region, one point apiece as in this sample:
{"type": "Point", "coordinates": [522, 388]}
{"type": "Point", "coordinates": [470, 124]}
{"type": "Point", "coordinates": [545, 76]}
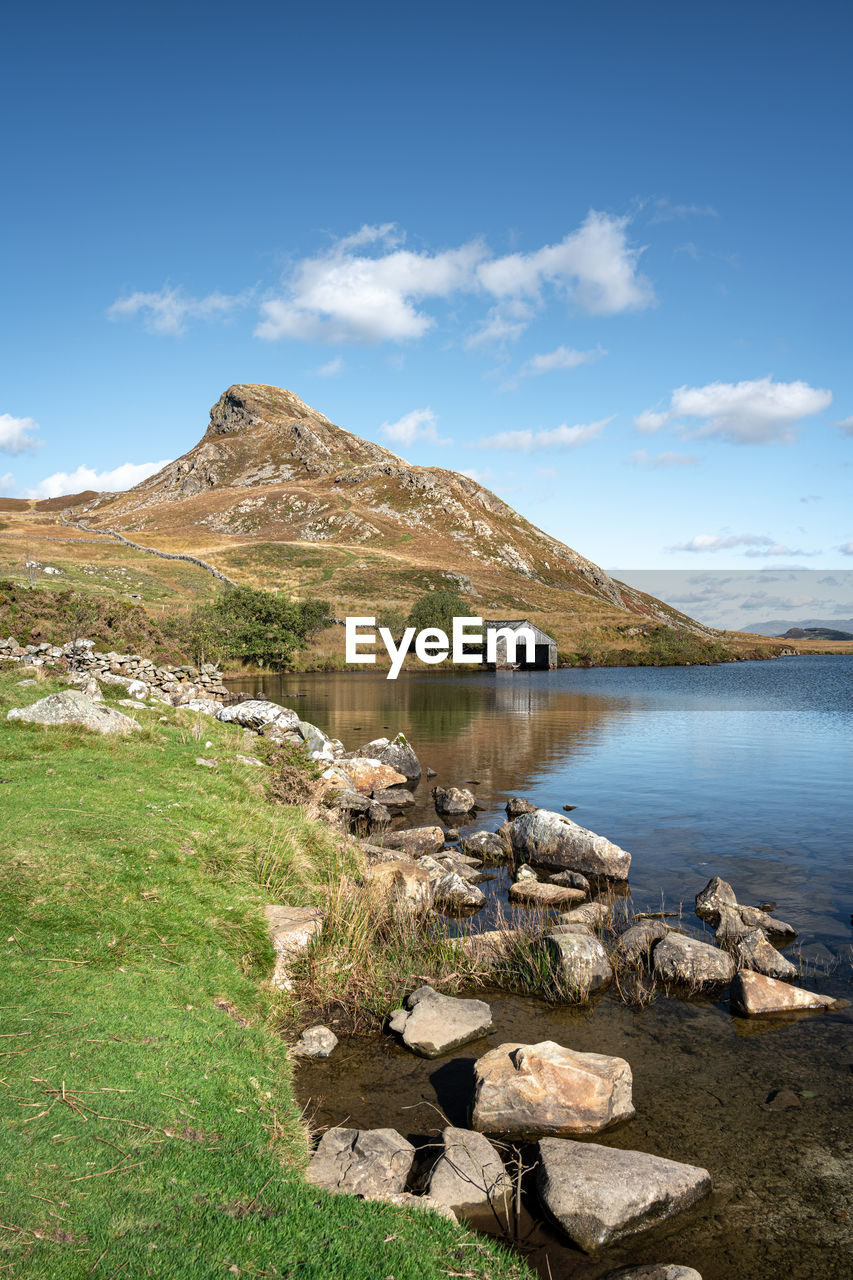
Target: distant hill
{"type": "Point", "coordinates": [783, 627]}
{"type": "Point", "coordinates": [816, 633]}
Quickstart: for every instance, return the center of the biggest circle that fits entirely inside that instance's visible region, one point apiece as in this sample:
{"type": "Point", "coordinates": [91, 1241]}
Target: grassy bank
{"type": "Point", "coordinates": [149, 1125]}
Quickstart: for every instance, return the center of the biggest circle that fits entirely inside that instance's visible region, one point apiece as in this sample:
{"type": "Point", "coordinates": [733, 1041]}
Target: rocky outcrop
{"type": "Point", "coordinates": [753, 994]}
{"type": "Point", "coordinates": [527, 1090]}
{"type": "Point", "coordinates": [469, 1174]}
{"type": "Point", "coordinates": [600, 1194]}
{"type": "Point", "coordinates": [687, 962]}
{"type": "Point", "coordinates": [433, 1024]}
{"type": "Point", "coordinates": [73, 708]}
{"type": "Point", "coordinates": [364, 1162]}
{"type": "Point", "coordinates": [553, 841]}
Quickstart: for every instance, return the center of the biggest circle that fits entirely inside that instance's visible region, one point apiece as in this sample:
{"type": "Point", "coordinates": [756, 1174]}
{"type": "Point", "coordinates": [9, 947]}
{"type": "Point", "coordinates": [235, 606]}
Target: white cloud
{"type": "Point", "coordinates": [368, 288]}
{"type": "Point", "coordinates": [527, 441]}
{"type": "Point", "coordinates": [846, 548]}
{"type": "Point", "coordinates": [168, 310]}
{"type": "Point", "coordinates": [7, 482]}
{"type": "Point", "coordinates": [331, 369]}
{"type": "Point", "coordinates": [757, 544]}
{"type": "Point", "coordinates": [551, 361]}
{"type": "Point", "coordinates": [757, 412]}
{"type": "Point", "coordinates": [16, 434]}
{"type": "Point", "coordinates": [122, 477]}
{"type": "Point", "coordinates": [642, 458]}
{"type": "Point", "coordinates": [480, 476]}
{"type": "Point", "coordinates": [846, 425]}
{"type": "Point", "coordinates": [420, 424]}
{"type": "Point", "coordinates": [665, 211]}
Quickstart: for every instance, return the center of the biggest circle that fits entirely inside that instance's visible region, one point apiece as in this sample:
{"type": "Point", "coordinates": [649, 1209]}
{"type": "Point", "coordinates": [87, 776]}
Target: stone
{"type": "Point", "coordinates": [469, 1174]}
{"type": "Point", "coordinates": [257, 713]}
{"type": "Point", "coordinates": [425, 1204]}
{"type": "Point", "coordinates": [315, 1042]}
{"type": "Point", "coordinates": [291, 930]}
{"type": "Point", "coordinates": [688, 962]}
{"type": "Point", "coordinates": [202, 706]}
{"type": "Point", "coordinates": [453, 800]}
{"type": "Point", "coordinates": [529, 1090]}
{"type": "Point", "coordinates": [91, 689]}
{"type": "Point", "coordinates": [416, 841]}
{"type": "Point", "coordinates": [252, 761]}
{"type": "Point", "coordinates": [654, 1271]}
{"type": "Point", "coordinates": [600, 1194]}
{"type": "Point", "coordinates": [318, 745]}
{"type": "Point", "coordinates": [559, 930]}
{"type": "Point", "coordinates": [436, 1023]}
{"type": "Point", "coordinates": [133, 703]}
{"type": "Point", "coordinates": [410, 884]}
{"type": "Point", "coordinates": [571, 879]}
{"type": "Point", "coordinates": [138, 689]}
{"type": "Point", "coordinates": [753, 994]}
{"type": "Point", "coordinates": [580, 959]}
{"type": "Point", "coordinates": [635, 944]}
{"type": "Point", "coordinates": [552, 841]}
{"type": "Point", "coordinates": [717, 893]}
{"type": "Point", "coordinates": [398, 753]}
{"type": "Point", "coordinates": [517, 805]}
{"type": "Point", "coordinates": [471, 875]}
{"type": "Point", "coordinates": [755, 918]}
{"type": "Point", "coordinates": [73, 707]}
{"type": "Point", "coordinates": [595, 914]}
{"type": "Point", "coordinates": [204, 763]}
{"type": "Point", "coordinates": [397, 1019]}
{"type": "Point", "coordinates": [367, 776]}
{"type": "Point", "coordinates": [365, 1162]}
{"type": "Point", "coordinates": [394, 798]}
{"type": "Point", "coordinates": [531, 892]}
{"type": "Point", "coordinates": [753, 951]}
{"type": "Point", "coordinates": [454, 896]}
{"type": "Point", "coordinates": [486, 845]}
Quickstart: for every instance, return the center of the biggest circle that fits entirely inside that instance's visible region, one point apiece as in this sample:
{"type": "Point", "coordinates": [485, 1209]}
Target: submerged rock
{"type": "Point", "coordinates": [752, 994]}
{"type": "Point", "coordinates": [74, 708]}
{"type": "Point", "coordinates": [688, 962]}
{"type": "Point", "coordinates": [553, 841]}
{"type": "Point", "coordinates": [469, 1174]}
{"type": "Point", "coordinates": [366, 1162]}
{"type": "Point", "coordinates": [315, 1042]}
{"type": "Point", "coordinates": [453, 800]}
{"type": "Point", "coordinates": [753, 951]}
{"type": "Point", "coordinates": [436, 1023]}
{"type": "Point", "coordinates": [527, 1090]}
{"type": "Point", "coordinates": [580, 958]}
{"type": "Point", "coordinates": [599, 1194]}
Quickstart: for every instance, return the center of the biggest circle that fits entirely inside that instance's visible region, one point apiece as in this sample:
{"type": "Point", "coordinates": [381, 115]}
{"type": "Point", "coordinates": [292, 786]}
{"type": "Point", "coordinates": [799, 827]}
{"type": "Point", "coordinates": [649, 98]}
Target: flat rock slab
{"type": "Point", "coordinates": [553, 841]}
{"type": "Point", "coordinates": [291, 929]}
{"type": "Point", "coordinates": [753, 993]}
{"type": "Point", "coordinates": [73, 707]}
{"type": "Point", "coordinates": [527, 1090]}
{"type": "Point", "coordinates": [469, 1174]}
{"type": "Point", "coordinates": [364, 1162]}
{"type": "Point", "coordinates": [688, 962]}
{"type": "Point", "coordinates": [436, 1023]}
{"type": "Point", "coordinates": [600, 1194]}
{"type": "Point", "coordinates": [537, 893]}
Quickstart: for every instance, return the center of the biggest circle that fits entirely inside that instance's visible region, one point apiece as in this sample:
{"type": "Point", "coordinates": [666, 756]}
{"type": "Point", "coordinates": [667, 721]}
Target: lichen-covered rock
{"type": "Point", "coordinates": [469, 1174]}
{"type": "Point", "coordinates": [454, 896]}
{"type": "Point", "coordinates": [688, 962]}
{"type": "Point", "coordinates": [517, 805]}
{"type": "Point", "coordinates": [437, 1023]}
{"type": "Point", "coordinates": [397, 753]}
{"type": "Point", "coordinates": [74, 708]}
{"type": "Point", "coordinates": [453, 800]}
{"type": "Point", "coordinates": [599, 1194]}
{"type": "Point", "coordinates": [580, 959]}
{"type": "Point", "coordinates": [753, 994]}
{"type": "Point", "coordinates": [527, 1090]}
{"type": "Point", "coordinates": [553, 841]}
{"type": "Point", "coordinates": [365, 1162]}
{"type": "Point", "coordinates": [717, 893]}
{"type": "Point", "coordinates": [486, 845]}
{"type": "Point", "coordinates": [257, 713]}
{"type": "Point", "coordinates": [753, 951]}
{"type": "Point", "coordinates": [417, 841]}
{"type": "Point", "coordinates": [368, 776]}
{"type": "Point", "coordinates": [315, 1042]}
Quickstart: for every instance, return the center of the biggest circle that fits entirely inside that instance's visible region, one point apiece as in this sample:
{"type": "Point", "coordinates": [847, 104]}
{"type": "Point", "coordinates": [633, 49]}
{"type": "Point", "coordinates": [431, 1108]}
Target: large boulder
{"type": "Point", "coordinates": [73, 707]}
{"type": "Point", "coordinates": [753, 993]}
{"type": "Point", "coordinates": [453, 800]}
{"type": "Point", "coordinates": [579, 958]}
{"type": "Point", "coordinates": [363, 1162]}
{"type": "Point", "coordinates": [469, 1174]}
{"type": "Point", "coordinates": [397, 753]}
{"type": "Point", "coordinates": [600, 1194]}
{"type": "Point", "coordinates": [753, 951]}
{"type": "Point", "coordinates": [258, 713]}
{"type": "Point", "coordinates": [436, 1023]}
{"type": "Point", "coordinates": [527, 1090]}
{"type": "Point", "coordinates": [687, 962]}
{"type": "Point", "coordinates": [553, 841]}
{"type": "Point", "coordinates": [416, 842]}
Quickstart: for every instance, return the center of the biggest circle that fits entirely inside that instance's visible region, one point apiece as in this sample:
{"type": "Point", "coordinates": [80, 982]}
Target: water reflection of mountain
{"type": "Point", "coordinates": [504, 731]}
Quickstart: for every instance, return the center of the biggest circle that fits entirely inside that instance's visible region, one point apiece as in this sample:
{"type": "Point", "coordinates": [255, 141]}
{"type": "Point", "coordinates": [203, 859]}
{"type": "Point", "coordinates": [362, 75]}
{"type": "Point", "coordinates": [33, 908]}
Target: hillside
{"type": "Point", "coordinates": [276, 495]}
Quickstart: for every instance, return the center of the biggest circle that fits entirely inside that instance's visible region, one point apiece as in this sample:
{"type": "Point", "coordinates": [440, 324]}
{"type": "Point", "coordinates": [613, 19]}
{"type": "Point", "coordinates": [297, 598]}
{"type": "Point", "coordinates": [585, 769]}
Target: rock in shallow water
{"type": "Point", "coordinates": [580, 958]}
{"type": "Point", "coordinates": [753, 993]}
{"type": "Point", "coordinates": [454, 896]}
{"type": "Point", "coordinates": [469, 1174]}
{"type": "Point", "coordinates": [437, 1023]}
{"type": "Point", "coordinates": [366, 1162]}
{"type": "Point", "coordinates": [453, 800]}
{"type": "Point", "coordinates": [753, 951]}
{"type": "Point", "coordinates": [416, 841]}
{"type": "Point", "coordinates": [535, 893]}
{"type": "Point", "coordinates": [654, 1271]}
{"type": "Point", "coordinates": [486, 845]}
{"type": "Point", "coordinates": [315, 1042]}
{"type": "Point", "coordinates": [397, 753]}
{"type": "Point", "coordinates": [688, 962]}
{"type": "Point", "coordinates": [599, 1194]}
{"type": "Point", "coordinates": [526, 1090]}
{"type": "Point", "coordinates": [553, 841]}
{"type": "Point", "coordinates": [635, 944]}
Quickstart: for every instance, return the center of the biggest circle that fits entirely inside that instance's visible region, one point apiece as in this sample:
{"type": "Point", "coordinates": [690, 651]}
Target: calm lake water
{"type": "Point", "coordinates": [742, 770]}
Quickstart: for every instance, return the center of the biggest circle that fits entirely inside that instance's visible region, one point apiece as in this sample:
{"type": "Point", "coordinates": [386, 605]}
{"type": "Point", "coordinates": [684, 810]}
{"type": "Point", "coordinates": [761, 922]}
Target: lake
{"type": "Point", "coordinates": [741, 770]}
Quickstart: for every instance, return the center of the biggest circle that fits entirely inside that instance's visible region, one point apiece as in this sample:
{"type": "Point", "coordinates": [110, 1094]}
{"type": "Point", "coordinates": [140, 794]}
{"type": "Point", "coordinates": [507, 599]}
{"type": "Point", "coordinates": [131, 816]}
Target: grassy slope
{"type": "Point", "coordinates": [149, 1126]}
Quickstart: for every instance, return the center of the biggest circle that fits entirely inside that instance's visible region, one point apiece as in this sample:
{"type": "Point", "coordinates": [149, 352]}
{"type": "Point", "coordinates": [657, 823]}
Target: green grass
{"type": "Point", "coordinates": [149, 1125]}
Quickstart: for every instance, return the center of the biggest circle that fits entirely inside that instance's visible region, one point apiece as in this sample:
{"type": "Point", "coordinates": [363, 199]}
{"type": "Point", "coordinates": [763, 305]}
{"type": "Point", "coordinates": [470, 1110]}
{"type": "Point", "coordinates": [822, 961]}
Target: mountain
{"type": "Point", "coordinates": [779, 627]}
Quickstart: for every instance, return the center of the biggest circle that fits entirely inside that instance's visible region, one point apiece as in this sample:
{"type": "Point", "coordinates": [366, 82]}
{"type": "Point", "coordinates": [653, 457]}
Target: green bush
{"type": "Point", "coordinates": [437, 609]}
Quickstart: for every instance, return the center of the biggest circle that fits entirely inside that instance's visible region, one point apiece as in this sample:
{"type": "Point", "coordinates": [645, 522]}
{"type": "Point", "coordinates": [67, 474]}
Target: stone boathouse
{"type": "Point", "coordinates": [546, 646]}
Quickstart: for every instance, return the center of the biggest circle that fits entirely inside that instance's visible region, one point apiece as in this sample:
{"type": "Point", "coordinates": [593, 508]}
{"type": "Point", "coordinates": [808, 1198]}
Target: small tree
{"type": "Point", "coordinates": [437, 609]}
{"type": "Point", "coordinates": [254, 627]}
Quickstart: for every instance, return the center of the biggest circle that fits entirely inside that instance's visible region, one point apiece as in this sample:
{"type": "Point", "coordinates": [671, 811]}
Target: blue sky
{"type": "Point", "coordinates": [597, 256]}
